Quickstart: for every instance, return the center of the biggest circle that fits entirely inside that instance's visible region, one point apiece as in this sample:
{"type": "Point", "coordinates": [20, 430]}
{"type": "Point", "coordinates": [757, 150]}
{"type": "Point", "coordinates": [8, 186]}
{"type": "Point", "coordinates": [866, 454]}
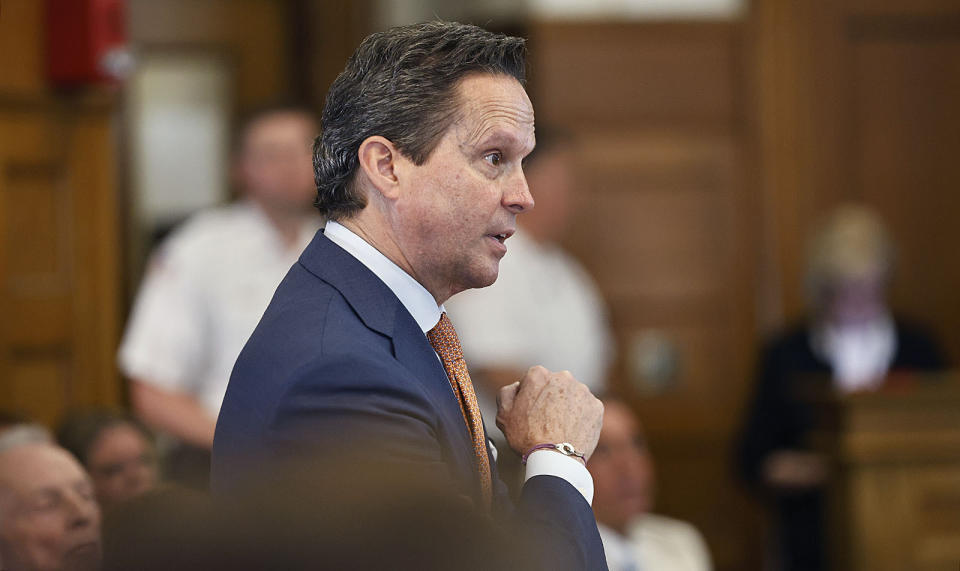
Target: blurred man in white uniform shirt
{"type": "Point", "coordinates": [208, 284]}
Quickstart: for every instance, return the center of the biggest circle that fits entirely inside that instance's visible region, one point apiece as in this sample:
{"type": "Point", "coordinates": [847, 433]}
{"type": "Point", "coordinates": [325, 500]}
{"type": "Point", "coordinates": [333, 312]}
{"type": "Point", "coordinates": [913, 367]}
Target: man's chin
{"type": "Point", "coordinates": [488, 279]}
{"type": "Point", "coordinates": [83, 557]}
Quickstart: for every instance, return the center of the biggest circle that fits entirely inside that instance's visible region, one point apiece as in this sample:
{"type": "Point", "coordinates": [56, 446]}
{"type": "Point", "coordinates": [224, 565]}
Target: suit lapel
{"type": "Point", "coordinates": [380, 310]}
{"type": "Point", "coordinates": [369, 297]}
{"type": "Point", "coordinates": [414, 352]}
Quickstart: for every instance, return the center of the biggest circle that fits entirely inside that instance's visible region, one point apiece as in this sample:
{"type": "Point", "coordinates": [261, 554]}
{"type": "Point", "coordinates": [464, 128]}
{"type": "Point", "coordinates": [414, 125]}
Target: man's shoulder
{"type": "Point", "coordinates": [309, 338]}
{"type": "Point", "coordinates": [311, 324]}
{"type": "Point", "coordinates": [304, 307]}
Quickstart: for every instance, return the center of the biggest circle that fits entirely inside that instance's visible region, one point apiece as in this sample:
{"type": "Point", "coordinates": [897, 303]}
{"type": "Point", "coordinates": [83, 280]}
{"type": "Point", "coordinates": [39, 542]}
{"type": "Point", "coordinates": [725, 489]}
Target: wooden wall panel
{"type": "Point", "coordinates": [39, 385]}
{"type": "Point", "coordinates": [21, 47]}
{"type": "Point", "coordinates": [252, 32]}
{"type": "Point", "coordinates": [905, 87]}
{"type": "Point", "coordinates": [857, 101]}
{"type": "Point", "coordinates": [666, 227]}
{"type": "Point", "coordinates": [58, 226]}
{"type": "Point", "coordinates": [59, 240]}
{"type": "Point", "coordinates": [636, 75]}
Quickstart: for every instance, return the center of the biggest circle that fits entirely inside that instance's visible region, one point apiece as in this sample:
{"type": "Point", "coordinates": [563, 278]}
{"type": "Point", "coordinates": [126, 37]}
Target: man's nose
{"type": "Point", "coordinates": [517, 197]}
{"type": "Point", "coordinates": [83, 510]}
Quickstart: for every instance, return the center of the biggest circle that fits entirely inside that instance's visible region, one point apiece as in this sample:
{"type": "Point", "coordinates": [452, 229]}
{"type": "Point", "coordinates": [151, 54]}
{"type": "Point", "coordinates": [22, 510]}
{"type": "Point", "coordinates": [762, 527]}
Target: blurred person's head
{"type": "Point", "coordinates": [402, 84]}
{"type": "Point", "coordinates": [273, 160]}
{"type": "Point", "coordinates": [621, 467]}
{"type": "Point", "coordinates": [117, 450]}
{"type": "Point", "coordinates": [849, 267]}
{"type": "Point", "coordinates": [49, 519]}
{"type": "Point", "coordinates": [551, 171]}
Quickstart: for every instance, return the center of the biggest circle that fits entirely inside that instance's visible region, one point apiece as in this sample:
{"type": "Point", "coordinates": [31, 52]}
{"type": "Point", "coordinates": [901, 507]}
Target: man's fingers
{"type": "Point", "coordinates": [505, 398]}
{"type": "Point", "coordinates": [533, 382]}
{"type": "Point", "coordinates": [507, 395]}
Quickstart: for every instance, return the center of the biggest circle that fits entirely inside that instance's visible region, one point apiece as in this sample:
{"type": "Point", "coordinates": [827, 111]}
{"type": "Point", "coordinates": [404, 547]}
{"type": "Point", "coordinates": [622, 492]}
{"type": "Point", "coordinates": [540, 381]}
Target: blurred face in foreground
{"type": "Point", "coordinates": [122, 464]}
{"type": "Point", "coordinates": [49, 519]}
{"type": "Point", "coordinates": [621, 468]}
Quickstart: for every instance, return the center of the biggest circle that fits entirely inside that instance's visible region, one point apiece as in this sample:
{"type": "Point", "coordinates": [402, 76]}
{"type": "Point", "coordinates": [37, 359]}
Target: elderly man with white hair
{"type": "Point", "coordinates": [49, 518]}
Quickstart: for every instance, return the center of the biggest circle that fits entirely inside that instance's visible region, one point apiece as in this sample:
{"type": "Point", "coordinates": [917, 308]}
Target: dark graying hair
{"type": "Point", "coordinates": [400, 84]}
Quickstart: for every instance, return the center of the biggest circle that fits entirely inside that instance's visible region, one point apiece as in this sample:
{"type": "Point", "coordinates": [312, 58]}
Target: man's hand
{"type": "Point", "coordinates": [546, 407]}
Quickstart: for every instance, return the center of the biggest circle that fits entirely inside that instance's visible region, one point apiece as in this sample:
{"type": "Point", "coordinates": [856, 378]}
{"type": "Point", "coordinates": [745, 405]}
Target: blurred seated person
{"type": "Point", "coordinates": [623, 477]}
{"type": "Point", "coordinates": [851, 340]}
{"type": "Point", "coordinates": [49, 519]}
{"type": "Point", "coordinates": [209, 282]}
{"type": "Point", "coordinates": [116, 449]}
{"type": "Point", "coordinates": [544, 307]}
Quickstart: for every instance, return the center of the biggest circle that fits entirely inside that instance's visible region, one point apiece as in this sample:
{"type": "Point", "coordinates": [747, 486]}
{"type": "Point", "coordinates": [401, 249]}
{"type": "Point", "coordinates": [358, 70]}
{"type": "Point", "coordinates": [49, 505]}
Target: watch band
{"type": "Point", "coordinates": [564, 448]}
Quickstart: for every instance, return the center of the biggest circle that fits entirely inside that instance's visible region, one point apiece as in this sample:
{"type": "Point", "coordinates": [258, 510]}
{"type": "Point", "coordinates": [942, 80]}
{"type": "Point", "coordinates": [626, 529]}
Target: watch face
{"type": "Point", "coordinates": [566, 448]}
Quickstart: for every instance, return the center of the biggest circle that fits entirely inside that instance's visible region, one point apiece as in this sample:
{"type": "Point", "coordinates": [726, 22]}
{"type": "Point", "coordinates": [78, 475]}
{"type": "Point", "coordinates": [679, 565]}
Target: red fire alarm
{"type": "Point", "coordinates": [86, 41]}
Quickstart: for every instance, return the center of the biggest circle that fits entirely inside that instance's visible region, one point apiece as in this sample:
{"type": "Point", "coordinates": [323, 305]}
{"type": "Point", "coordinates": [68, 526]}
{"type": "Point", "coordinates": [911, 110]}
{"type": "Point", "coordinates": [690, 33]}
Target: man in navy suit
{"type": "Point", "coordinates": [418, 171]}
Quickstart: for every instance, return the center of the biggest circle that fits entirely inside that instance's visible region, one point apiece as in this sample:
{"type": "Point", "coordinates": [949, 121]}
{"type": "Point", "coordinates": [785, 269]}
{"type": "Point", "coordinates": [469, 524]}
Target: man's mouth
{"type": "Point", "coordinates": [502, 236]}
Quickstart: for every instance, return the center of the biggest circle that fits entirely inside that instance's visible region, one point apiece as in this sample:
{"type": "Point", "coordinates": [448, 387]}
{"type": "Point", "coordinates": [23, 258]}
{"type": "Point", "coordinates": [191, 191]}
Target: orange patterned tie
{"type": "Point", "coordinates": [443, 338]}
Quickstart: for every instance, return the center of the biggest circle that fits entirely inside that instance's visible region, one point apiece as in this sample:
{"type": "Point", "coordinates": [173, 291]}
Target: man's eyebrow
{"type": "Point", "coordinates": [42, 493]}
{"type": "Point", "coordinates": [501, 136]}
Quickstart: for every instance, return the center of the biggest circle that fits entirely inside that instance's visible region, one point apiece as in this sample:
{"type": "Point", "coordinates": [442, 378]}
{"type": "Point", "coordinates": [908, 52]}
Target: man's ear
{"type": "Point", "coordinates": [378, 160]}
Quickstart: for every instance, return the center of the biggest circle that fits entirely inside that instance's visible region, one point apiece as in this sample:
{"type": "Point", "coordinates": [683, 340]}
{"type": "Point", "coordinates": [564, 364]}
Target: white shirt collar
{"type": "Point", "coordinates": [860, 356]}
{"type": "Point", "coordinates": [418, 301]}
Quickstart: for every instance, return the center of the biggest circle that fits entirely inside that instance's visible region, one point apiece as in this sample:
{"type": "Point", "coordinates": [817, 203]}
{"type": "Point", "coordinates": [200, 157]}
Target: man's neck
{"type": "Point", "coordinates": [372, 234]}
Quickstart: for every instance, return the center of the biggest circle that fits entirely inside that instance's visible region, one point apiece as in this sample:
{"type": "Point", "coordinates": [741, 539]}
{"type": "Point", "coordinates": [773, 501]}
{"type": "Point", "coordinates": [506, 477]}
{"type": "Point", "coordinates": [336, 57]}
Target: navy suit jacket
{"type": "Point", "coordinates": [337, 363]}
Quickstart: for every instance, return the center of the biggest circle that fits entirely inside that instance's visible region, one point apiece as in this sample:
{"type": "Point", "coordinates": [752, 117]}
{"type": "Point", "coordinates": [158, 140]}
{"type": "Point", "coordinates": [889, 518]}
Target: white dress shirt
{"type": "Point", "coordinates": [859, 355]}
{"type": "Point", "coordinates": [203, 294]}
{"type": "Point", "coordinates": [425, 311]}
{"type": "Point", "coordinates": [655, 543]}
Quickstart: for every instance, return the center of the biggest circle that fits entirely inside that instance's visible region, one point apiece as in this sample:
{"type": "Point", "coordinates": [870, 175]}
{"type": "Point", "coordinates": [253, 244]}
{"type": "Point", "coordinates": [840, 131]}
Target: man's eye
{"type": "Point", "coordinates": [111, 470]}
{"type": "Point", "coordinates": [45, 502]}
{"type": "Point", "coordinates": [494, 158]}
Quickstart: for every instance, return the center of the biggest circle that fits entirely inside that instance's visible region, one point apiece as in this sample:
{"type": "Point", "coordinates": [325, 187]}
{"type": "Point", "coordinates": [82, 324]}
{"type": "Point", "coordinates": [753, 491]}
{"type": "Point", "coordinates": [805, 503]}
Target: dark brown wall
{"type": "Point", "coordinates": [667, 226]}
{"type": "Point", "coordinates": [858, 101]}
{"type": "Point", "coordinates": [59, 245]}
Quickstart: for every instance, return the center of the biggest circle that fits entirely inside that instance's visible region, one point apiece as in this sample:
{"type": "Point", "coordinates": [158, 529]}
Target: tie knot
{"type": "Point", "coordinates": [443, 338]}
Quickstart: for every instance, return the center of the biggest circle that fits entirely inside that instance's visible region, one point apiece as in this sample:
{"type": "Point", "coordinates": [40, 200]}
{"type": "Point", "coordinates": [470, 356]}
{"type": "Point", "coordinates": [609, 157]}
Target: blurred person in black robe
{"type": "Point", "coordinates": [851, 342]}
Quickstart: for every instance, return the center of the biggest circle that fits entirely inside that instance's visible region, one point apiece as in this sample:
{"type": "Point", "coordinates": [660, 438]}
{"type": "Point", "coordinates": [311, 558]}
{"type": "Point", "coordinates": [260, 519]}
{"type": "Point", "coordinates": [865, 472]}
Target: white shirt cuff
{"type": "Point", "coordinates": [548, 463]}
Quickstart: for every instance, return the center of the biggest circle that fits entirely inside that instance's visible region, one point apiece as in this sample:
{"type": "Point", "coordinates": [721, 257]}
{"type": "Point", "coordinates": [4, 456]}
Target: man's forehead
{"type": "Point", "coordinates": [495, 105]}
{"type": "Point", "coordinates": [35, 466]}
{"type": "Point", "coordinates": [277, 126]}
